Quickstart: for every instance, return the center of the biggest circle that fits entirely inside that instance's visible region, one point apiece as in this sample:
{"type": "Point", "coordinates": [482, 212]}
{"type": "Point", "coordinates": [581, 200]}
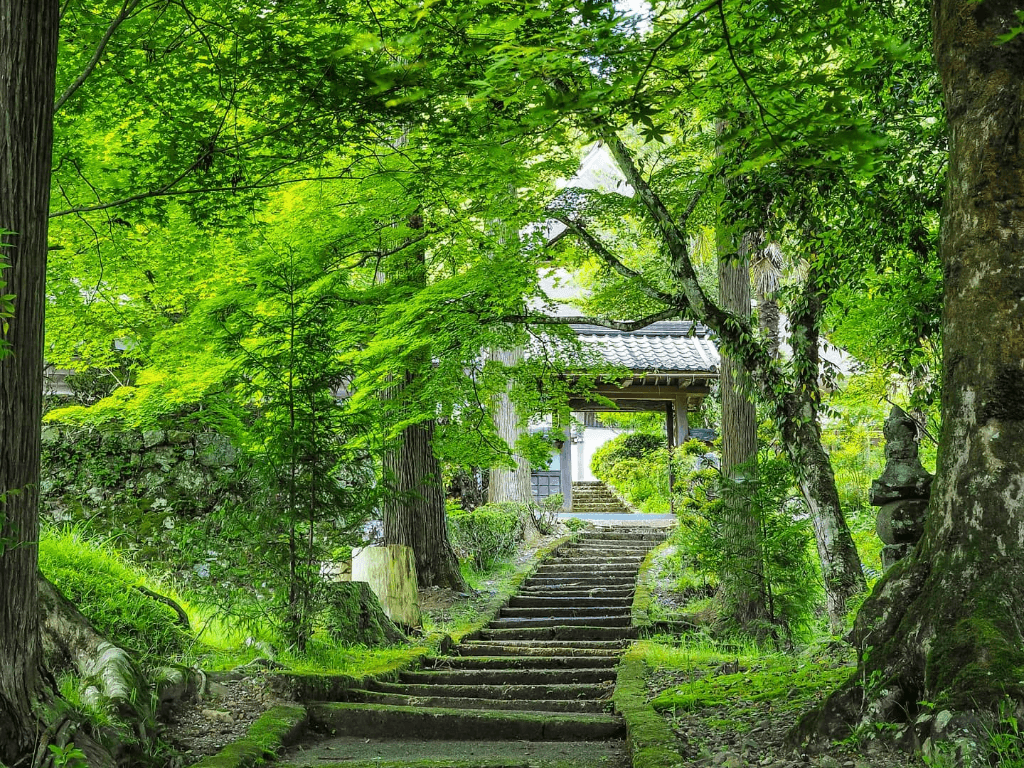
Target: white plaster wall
{"type": "Point", "coordinates": [583, 451]}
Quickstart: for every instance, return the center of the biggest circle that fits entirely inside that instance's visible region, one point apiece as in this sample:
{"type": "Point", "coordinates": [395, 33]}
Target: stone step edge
{"type": "Point", "coordinates": [369, 721]}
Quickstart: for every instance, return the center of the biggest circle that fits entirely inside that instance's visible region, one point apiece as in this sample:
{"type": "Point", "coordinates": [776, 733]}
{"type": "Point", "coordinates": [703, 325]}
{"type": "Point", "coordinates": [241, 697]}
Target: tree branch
{"type": "Point", "coordinates": [626, 326]}
{"type": "Point", "coordinates": [666, 41]}
{"type": "Point", "coordinates": [126, 9]}
{"type": "Point", "coordinates": [602, 252]}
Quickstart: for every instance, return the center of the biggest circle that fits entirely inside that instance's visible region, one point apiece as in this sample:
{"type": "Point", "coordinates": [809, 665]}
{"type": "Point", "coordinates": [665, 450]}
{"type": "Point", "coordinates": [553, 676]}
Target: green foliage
{"type": "Point", "coordinates": [314, 489]}
{"type": "Point", "coordinates": [636, 465]}
{"type": "Point", "coordinates": [790, 580]}
{"type": "Point", "coordinates": [632, 445]}
{"type": "Point", "coordinates": [488, 533]}
{"type": "Point", "coordinates": [104, 588]}
{"type": "Point", "coordinates": [575, 524]}
{"type": "Point", "coordinates": [68, 756]}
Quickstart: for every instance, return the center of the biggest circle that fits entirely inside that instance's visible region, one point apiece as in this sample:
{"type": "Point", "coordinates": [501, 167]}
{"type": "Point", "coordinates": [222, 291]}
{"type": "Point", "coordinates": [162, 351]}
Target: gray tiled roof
{"type": "Point", "coordinates": [669, 346]}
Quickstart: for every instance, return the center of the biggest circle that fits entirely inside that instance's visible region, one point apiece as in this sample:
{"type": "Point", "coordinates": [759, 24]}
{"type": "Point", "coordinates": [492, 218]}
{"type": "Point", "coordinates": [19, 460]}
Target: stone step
{"type": "Point", "coordinates": [582, 571]}
{"type": "Point", "coordinates": [579, 646]}
{"type": "Point", "coordinates": [561, 621]}
{"type": "Point", "coordinates": [521, 613]}
{"type": "Point", "coordinates": [604, 551]}
{"type": "Point", "coordinates": [553, 648]}
{"type": "Point", "coordinates": [370, 721]}
{"type": "Point", "coordinates": [590, 560]}
{"type": "Point", "coordinates": [507, 676]}
{"type": "Point", "coordinates": [583, 706]}
{"type": "Point", "coordinates": [581, 581]}
{"type": "Point", "coordinates": [574, 691]}
{"type": "Point", "coordinates": [559, 633]}
{"type": "Point", "coordinates": [545, 590]}
{"type": "Point", "coordinates": [556, 604]}
{"type": "Point", "coordinates": [537, 661]}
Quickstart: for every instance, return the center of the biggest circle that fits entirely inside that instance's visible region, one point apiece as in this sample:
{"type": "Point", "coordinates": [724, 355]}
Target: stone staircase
{"type": "Point", "coordinates": [535, 683]}
{"type": "Point", "coordinates": [594, 497]}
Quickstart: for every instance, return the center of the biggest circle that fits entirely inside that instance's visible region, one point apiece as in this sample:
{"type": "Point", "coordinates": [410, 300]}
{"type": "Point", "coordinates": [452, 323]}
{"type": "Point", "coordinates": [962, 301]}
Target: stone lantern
{"type": "Point", "coordinates": [902, 491]}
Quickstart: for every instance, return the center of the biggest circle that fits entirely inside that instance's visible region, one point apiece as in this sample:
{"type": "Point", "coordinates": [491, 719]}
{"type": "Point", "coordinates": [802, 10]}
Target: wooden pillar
{"type": "Point", "coordinates": [671, 431]}
{"type": "Point", "coordinates": [565, 467]}
{"type": "Point", "coordinates": [682, 420]}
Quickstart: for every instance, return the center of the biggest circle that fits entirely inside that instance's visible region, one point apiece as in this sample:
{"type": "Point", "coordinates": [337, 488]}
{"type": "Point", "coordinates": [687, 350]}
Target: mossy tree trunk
{"type": "Point", "coordinates": [28, 62]}
{"type": "Point", "coordinates": [944, 625]}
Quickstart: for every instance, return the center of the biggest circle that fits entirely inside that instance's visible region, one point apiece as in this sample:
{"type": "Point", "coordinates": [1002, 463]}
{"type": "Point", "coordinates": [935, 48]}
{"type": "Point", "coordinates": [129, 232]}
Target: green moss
{"type": "Point", "coordinates": [786, 683]}
{"type": "Point", "coordinates": [643, 597]}
{"type": "Point", "coordinates": [650, 741]}
{"type": "Point", "coordinates": [279, 727]}
{"type": "Point", "coordinates": [975, 663]}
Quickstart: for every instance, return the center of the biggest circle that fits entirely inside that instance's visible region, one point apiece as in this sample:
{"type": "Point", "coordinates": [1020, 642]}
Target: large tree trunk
{"type": "Point", "coordinates": [506, 483]}
{"type": "Point", "coordinates": [944, 624]}
{"type": "Point", "coordinates": [743, 592]}
{"type": "Point", "coordinates": [28, 62]}
{"type": "Point", "coordinates": [415, 515]}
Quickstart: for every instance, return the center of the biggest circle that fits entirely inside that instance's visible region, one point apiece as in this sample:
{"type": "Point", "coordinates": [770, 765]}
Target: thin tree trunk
{"type": "Point", "coordinates": [28, 61]}
{"type": "Point", "coordinates": [944, 625]}
{"type": "Point", "coordinates": [841, 569]}
{"type": "Point", "coordinates": [793, 401]}
{"type": "Point", "coordinates": [509, 484]}
{"type": "Point", "coordinates": [743, 591]}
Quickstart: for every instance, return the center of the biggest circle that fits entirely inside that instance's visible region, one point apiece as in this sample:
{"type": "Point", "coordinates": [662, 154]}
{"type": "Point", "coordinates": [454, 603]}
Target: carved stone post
{"type": "Point", "coordinates": [902, 491]}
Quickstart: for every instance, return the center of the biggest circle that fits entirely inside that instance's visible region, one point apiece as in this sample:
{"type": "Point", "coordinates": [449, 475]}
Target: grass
{"type": "Point", "coordinates": [105, 587]}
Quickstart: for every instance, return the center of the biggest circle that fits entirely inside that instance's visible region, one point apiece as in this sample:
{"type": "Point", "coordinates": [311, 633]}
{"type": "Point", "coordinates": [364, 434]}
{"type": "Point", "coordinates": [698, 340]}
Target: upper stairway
{"type": "Point", "coordinates": [591, 497]}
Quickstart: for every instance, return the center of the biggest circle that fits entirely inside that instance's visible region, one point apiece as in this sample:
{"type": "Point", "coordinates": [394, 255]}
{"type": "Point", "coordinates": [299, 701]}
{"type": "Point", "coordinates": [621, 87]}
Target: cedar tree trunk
{"type": "Point", "coordinates": [944, 625]}
{"type": "Point", "coordinates": [415, 516]}
{"type": "Point", "coordinates": [28, 62]}
{"type": "Point", "coordinates": [509, 484]}
{"type": "Point", "coordinates": [743, 590]}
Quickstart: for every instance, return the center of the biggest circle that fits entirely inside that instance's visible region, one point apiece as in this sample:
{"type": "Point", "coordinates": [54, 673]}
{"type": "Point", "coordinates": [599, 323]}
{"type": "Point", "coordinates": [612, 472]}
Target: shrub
{"type": "Point", "coordinates": [488, 533]}
{"type": "Point", "coordinates": [637, 445]}
{"type": "Point", "coordinates": [790, 579]}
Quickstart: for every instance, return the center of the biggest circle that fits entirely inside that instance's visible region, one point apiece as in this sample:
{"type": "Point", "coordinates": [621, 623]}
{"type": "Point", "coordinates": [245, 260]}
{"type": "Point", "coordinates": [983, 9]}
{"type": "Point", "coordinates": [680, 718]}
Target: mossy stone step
{"type": "Point", "coordinates": [524, 662]}
{"type": "Point", "coordinates": [505, 692]}
{"type": "Point", "coordinates": [508, 676]}
{"type": "Point", "coordinates": [523, 650]}
{"type": "Point", "coordinates": [350, 752]}
{"type": "Point", "coordinates": [563, 610]}
{"type": "Point", "coordinates": [561, 621]}
{"type": "Point", "coordinates": [591, 564]}
{"type": "Point", "coordinates": [555, 604]}
{"type": "Point", "coordinates": [582, 706]}
{"type": "Point", "coordinates": [371, 720]}
{"type": "Point", "coordinates": [592, 581]}
{"type": "Point", "coordinates": [601, 554]}
{"type": "Point", "coordinates": [560, 633]}
{"type": "Point", "coordinates": [578, 573]}
{"type": "Point", "coordinates": [563, 591]}
{"type": "Point", "coordinates": [578, 645]}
